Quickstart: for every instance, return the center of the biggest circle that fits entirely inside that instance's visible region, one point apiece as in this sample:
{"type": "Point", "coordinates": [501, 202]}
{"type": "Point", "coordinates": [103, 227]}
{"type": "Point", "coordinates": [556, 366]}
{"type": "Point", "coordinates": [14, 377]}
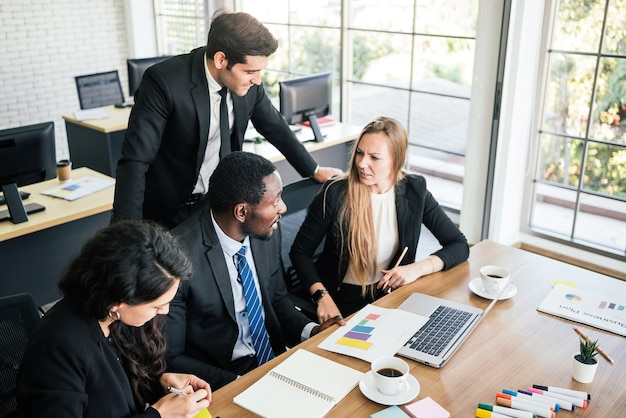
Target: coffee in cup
{"type": "Point", "coordinates": [64, 170]}
{"type": "Point", "coordinates": [390, 375]}
{"type": "Point", "coordinates": [494, 279]}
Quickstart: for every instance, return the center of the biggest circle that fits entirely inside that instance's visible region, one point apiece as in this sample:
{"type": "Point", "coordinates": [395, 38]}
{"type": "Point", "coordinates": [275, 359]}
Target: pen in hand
{"type": "Point", "coordinates": [395, 266]}
{"type": "Point", "coordinates": [176, 391]}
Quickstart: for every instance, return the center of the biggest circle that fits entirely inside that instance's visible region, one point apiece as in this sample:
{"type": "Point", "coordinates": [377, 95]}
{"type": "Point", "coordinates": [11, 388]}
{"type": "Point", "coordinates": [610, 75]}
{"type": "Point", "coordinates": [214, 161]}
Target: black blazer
{"type": "Point", "coordinates": [414, 206]}
{"type": "Point", "coordinates": [167, 135]}
{"type": "Point", "coordinates": [201, 326]}
{"type": "Point", "coordinates": [70, 370]}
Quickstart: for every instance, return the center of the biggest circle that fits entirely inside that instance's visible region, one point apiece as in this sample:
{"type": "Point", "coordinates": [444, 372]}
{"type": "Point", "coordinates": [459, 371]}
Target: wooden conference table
{"type": "Point", "coordinates": [33, 253]}
{"type": "Point", "coordinates": [514, 347]}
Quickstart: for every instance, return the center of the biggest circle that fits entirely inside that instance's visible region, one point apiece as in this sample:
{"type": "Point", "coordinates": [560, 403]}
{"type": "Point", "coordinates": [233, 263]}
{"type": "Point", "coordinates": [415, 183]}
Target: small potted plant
{"type": "Point", "coordinates": [585, 362]}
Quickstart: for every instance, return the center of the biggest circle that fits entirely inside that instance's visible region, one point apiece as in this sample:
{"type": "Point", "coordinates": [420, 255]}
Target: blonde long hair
{"type": "Point", "coordinates": [355, 212]}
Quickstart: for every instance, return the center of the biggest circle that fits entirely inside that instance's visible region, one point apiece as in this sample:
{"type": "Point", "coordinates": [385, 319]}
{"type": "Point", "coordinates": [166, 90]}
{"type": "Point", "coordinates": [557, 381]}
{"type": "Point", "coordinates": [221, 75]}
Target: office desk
{"type": "Point", "coordinates": [97, 144]}
{"type": "Point", "coordinates": [513, 347]}
{"type": "Point", "coordinates": [333, 152]}
{"type": "Point", "coordinates": [33, 253]}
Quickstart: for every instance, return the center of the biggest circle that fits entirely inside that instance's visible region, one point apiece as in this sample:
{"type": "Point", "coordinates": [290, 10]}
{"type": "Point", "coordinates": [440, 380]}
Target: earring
{"type": "Point", "coordinates": [117, 315]}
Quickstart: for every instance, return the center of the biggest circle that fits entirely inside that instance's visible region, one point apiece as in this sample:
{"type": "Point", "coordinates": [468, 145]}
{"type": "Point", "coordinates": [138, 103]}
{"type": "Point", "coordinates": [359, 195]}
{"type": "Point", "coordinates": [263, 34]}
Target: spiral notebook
{"type": "Point", "coordinates": [304, 385]}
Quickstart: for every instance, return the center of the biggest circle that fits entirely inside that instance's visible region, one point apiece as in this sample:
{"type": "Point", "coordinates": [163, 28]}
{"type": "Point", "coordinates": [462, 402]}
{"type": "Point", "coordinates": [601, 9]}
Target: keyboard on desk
{"type": "Point", "coordinates": [436, 333]}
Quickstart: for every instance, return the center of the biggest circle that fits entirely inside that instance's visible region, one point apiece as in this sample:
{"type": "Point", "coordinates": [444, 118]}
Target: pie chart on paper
{"type": "Point", "coordinates": [573, 298]}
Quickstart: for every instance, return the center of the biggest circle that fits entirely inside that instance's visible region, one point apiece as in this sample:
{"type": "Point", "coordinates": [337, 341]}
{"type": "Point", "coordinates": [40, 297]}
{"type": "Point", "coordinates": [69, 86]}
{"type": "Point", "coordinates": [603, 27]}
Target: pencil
{"type": "Point", "coordinates": [396, 265]}
{"type": "Point", "coordinates": [598, 349]}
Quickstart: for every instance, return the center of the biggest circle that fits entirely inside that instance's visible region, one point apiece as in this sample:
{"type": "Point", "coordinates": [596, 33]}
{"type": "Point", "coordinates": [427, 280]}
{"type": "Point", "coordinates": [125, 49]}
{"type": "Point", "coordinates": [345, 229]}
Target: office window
{"type": "Point", "coordinates": [411, 60]}
{"type": "Point", "coordinates": [183, 25]}
{"type": "Point", "coordinates": [579, 191]}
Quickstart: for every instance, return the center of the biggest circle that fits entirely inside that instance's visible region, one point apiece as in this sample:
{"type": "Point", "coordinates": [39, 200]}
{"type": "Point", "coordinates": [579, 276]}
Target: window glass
{"type": "Point", "coordinates": [578, 25]}
{"type": "Point", "coordinates": [615, 31]}
{"type": "Point", "coordinates": [315, 13]}
{"type": "Point", "coordinates": [568, 93]}
{"type": "Point", "coordinates": [448, 18]}
{"type": "Point", "coordinates": [608, 121]}
{"type": "Point", "coordinates": [368, 102]}
{"type": "Point", "coordinates": [553, 210]}
{"type": "Point", "coordinates": [392, 16]}
{"type": "Point", "coordinates": [580, 192]}
{"type": "Point", "coordinates": [381, 58]}
{"type": "Point", "coordinates": [443, 65]}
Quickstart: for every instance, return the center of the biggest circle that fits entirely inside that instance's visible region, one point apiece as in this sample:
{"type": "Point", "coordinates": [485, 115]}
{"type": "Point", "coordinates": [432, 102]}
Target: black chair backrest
{"type": "Point", "coordinates": [297, 196]}
{"type": "Point", "coordinates": [18, 318]}
{"type": "Point", "coordinates": [97, 90]}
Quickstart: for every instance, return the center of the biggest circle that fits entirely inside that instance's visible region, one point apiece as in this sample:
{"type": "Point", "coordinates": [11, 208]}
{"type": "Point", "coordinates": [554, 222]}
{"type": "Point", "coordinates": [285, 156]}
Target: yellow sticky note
{"type": "Point", "coordinates": [570, 284]}
{"type": "Point", "coordinates": [204, 413]}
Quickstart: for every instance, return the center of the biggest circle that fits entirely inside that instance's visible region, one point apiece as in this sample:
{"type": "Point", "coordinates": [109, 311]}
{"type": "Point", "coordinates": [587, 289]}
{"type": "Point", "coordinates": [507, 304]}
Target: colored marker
{"type": "Point", "coordinates": [550, 403]}
{"type": "Point", "coordinates": [517, 404]}
{"type": "Point", "coordinates": [576, 401]}
{"type": "Point", "coordinates": [562, 403]}
{"type": "Point", "coordinates": [508, 412]}
{"type": "Point", "coordinates": [482, 413]}
{"type": "Point", "coordinates": [570, 392]}
{"type": "Point", "coordinates": [528, 401]}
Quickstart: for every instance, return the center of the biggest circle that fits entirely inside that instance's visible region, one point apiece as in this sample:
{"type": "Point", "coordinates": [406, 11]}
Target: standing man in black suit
{"type": "Point", "coordinates": [210, 326]}
{"type": "Point", "coordinates": [173, 141]}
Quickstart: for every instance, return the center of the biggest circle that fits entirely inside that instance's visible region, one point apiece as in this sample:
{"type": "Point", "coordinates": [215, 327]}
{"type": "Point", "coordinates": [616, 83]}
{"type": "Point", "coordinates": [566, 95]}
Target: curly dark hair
{"type": "Point", "coordinates": [238, 178]}
{"type": "Point", "coordinates": [133, 262]}
{"type": "Point", "coordinates": [238, 35]}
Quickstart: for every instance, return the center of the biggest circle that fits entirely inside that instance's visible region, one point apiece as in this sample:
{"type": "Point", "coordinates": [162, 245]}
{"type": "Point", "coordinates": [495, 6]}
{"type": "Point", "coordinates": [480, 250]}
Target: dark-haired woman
{"type": "Point", "coordinates": [99, 352]}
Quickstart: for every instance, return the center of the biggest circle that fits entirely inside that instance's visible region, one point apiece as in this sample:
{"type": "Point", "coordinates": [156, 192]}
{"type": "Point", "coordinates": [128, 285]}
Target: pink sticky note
{"type": "Point", "coordinates": [426, 408]}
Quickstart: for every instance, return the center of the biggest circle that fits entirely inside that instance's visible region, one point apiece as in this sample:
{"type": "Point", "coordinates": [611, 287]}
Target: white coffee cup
{"type": "Point", "coordinates": [494, 278]}
{"type": "Point", "coordinates": [390, 375]}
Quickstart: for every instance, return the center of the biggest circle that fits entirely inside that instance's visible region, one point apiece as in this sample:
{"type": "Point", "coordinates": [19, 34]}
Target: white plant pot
{"type": "Point", "coordinates": [582, 372]}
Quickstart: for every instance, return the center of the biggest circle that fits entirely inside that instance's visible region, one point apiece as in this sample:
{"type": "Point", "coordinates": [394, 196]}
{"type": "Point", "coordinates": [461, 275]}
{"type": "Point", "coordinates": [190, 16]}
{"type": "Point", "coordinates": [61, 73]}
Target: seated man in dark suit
{"type": "Point", "coordinates": [217, 327]}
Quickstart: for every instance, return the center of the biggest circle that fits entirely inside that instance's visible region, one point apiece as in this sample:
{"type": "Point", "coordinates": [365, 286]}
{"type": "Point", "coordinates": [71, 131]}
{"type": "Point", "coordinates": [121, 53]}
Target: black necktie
{"type": "Point", "coordinates": [224, 125]}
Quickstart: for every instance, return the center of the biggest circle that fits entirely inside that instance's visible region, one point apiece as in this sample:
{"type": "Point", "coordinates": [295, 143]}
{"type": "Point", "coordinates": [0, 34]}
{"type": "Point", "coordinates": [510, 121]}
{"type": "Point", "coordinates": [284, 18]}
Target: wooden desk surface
{"type": "Point", "coordinates": [117, 120]}
{"type": "Point", "coordinates": [58, 211]}
{"type": "Point", "coordinates": [514, 347]}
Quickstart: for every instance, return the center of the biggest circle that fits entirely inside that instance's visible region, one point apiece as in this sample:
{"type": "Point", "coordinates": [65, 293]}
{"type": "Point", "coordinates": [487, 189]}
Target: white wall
{"type": "Point", "coordinates": [43, 45]}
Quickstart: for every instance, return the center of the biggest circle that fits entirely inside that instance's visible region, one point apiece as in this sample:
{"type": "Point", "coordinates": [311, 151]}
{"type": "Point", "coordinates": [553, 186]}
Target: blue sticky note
{"type": "Point", "coordinates": [391, 412]}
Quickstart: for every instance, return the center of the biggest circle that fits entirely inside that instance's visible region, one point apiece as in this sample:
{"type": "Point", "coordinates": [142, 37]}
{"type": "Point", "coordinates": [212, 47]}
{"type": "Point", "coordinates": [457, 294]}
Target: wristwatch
{"type": "Point", "coordinates": [318, 294]}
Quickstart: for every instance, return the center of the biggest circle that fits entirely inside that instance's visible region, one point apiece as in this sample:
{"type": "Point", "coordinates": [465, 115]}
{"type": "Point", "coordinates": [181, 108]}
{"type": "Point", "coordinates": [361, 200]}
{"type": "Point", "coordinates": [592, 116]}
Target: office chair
{"type": "Point", "coordinates": [101, 89]}
{"type": "Point", "coordinates": [297, 196]}
{"type": "Point", "coordinates": [18, 318]}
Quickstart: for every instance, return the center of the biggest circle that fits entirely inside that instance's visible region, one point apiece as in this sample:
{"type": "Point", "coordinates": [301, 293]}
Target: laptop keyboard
{"type": "Point", "coordinates": [441, 327]}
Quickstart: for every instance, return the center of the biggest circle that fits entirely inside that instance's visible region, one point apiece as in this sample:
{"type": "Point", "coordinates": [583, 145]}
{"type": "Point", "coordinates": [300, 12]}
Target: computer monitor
{"type": "Point", "coordinates": [27, 154]}
{"type": "Point", "coordinates": [306, 99]}
{"type": "Point", "coordinates": [136, 68]}
{"type": "Point", "coordinates": [101, 89]}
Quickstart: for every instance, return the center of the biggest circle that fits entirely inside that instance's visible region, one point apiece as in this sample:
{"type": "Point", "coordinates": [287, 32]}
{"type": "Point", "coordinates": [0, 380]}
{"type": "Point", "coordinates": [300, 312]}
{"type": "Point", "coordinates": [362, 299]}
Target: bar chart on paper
{"type": "Point", "coordinates": [374, 332]}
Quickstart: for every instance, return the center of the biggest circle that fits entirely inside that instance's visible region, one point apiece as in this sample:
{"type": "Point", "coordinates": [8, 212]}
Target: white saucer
{"type": "Point", "coordinates": [369, 389]}
{"type": "Point", "coordinates": [476, 286]}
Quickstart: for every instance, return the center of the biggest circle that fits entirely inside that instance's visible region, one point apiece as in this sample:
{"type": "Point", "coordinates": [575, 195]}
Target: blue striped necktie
{"type": "Point", "coordinates": [260, 338]}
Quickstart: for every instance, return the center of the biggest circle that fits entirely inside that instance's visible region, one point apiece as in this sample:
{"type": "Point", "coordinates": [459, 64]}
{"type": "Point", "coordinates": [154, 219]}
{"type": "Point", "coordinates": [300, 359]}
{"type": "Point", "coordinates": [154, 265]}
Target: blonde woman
{"type": "Point", "coordinates": [368, 217]}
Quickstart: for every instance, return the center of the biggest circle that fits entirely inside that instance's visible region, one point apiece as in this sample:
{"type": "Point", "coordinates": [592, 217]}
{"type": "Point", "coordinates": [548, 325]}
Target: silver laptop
{"type": "Point", "coordinates": [448, 326]}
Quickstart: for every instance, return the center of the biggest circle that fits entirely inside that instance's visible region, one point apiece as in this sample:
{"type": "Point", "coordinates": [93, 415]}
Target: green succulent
{"type": "Point", "coordinates": [588, 350]}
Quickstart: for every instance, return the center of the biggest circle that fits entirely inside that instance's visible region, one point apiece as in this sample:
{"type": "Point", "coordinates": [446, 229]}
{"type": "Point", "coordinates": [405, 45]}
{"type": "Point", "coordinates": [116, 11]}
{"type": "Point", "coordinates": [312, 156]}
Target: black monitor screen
{"type": "Point", "coordinates": [136, 68]}
{"type": "Point", "coordinates": [306, 96]}
{"type": "Point", "coordinates": [97, 90]}
{"type": "Point", "coordinates": [306, 99]}
{"type": "Point", "coordinates": [27, 154]}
